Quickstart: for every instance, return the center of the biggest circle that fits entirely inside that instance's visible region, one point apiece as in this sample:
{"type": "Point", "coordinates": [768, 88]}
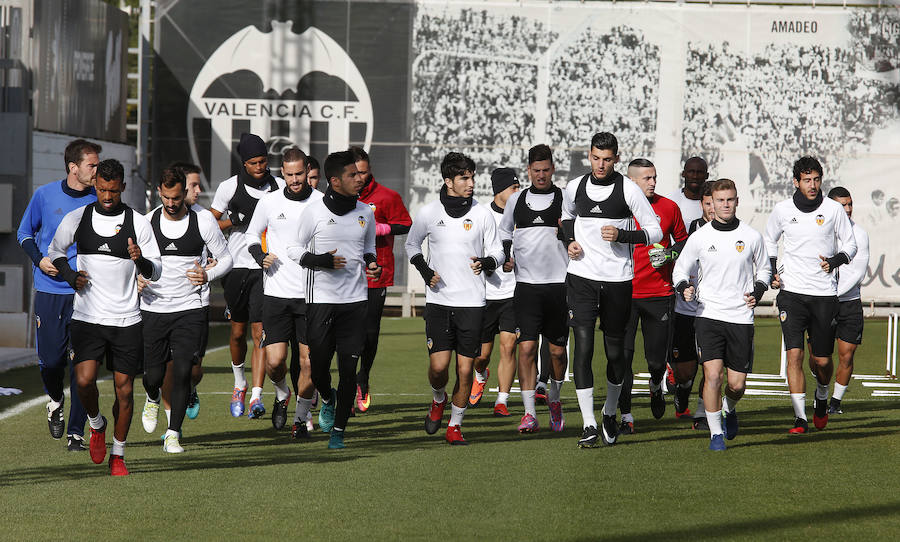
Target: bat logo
{"type": "Point", "coordinates": [820, 219]}
{"type": "Point", "coordinates": [362, 221]}
{"type": "Point", "coordinates": [739, 246]}
{"type": "Point", "coordinates": [467, 224]}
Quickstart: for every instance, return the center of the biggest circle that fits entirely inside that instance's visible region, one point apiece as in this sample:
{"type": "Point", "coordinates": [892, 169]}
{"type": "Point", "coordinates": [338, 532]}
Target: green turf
{"type": "Point", "coordinates": [240, 480]}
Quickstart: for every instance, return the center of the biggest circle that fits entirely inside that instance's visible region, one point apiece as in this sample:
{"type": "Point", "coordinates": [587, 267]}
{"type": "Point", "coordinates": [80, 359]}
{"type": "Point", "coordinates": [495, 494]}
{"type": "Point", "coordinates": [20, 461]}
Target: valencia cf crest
{"type": "Point", "coordinates": [118, 227]}
{"type": "Point", "coordinates": [571, 314]}
{"type": "Point", "coordinates": [71, 354]}
{"type": "Point", "coordinates": [373, 207]}
{"type": "Point", "coordinates": [782, 315]}
{"type": "Point", "coordinates": [38, 320]}
{"type": "Point", "coordinates": [362, 221]}
{"type": "Point", "coordinates": [467, 224]}
{"type": "Point", "coordinates": [675, 352]}
{"type": "Point", "coordinates": [820, 219]}
{"type": "Point", "coordinates": [518, 333]}
{"type": "Point", "coordinates": [429, 343]}
{"type": "Point", "coordinates": [739, 246]}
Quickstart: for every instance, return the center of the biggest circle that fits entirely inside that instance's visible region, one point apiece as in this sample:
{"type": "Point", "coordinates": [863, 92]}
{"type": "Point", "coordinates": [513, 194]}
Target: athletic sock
{"type": "Point", "coordinates": [714, 419]}
{"type": "Point", "coordinates": [839, 391]}
{"type": "Point", "coordinates": [728, 404]}
{"type": "Point", "coordinates": [96, 421]}
{"type": "Point", "coordinates": [282, 391]}
{"type": "Point", "coordinates": [53, 405]}
{"type": "Point", "coordinates": [118, 448]}
{"type": "Point", "coordinates": [168, 416]}
{"type": "Point", "coordinates": [502, 398]}
{"type": "Point", "coordinates": [613, 391]}
{"type": "Point", "coordinates": [553, 390]}
{"type": "Point", "coordinates": [303, 406]}
{"type": "Point", "coordinates": [821, 391]}
{"type": "Point", "coordinates": [339, 429]}
{"type": "Point", "coordinates": [586, 404]}
{"type": "Point", "coordinates": [701, 409]}
{"type": "Point", "coordinates": [798, 401]}
{"type": "Point", "coordinates": [438, 395]}
{"type": "Point", "coordinates": [628, 417]}
{"type": "Point", "coordinates": [256, 393]}
{"type": "Point", "coordinates": [654, 386]}
{"type": "Point", "coordinates": [172, 432]}
{"type": "Point", "coordinates": [528, 401]}
{"type": "Point", "coordinates": [456, 414]}
{"type": "Point", "coordinates": [481, 377]}
{"type": "Point", "coordinates": [239, 381]}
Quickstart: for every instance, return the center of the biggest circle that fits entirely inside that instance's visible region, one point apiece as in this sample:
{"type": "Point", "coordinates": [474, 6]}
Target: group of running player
{"type": "Point", "coordinates": [308, 270]}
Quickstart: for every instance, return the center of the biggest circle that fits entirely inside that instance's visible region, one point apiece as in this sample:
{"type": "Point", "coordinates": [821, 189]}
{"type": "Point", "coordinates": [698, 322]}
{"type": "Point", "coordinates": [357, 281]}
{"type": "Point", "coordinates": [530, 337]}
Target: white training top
{"type": "Point", "coordinates": [280, 219]}
{"type": "Point", "coordinates": [806, 237]}
{"type": "Point", "coordinates": [730, 262]}
{"type": "Point", "coordinates": [173, 291]}
{"type": "Point", "coordinates": [204, 290]}
{"type": "Point", "coordinates": [691, 209]}
{"type": "Point", "coordinates": [452, 242]}
{"type": "Point", "coordinates": [540, 256]}
{"type": "Point", "coordinates": [499, 284]}
{"type": "Point", "coordinates": [352, 235]}
{"type": "Point", "coordinates": [111, 296]}
{"type": "Point", "coordinates": [850, 276]}
{"type": "Point", "coordinates": [608, 261]}
{"type": "Point", "coordinates": [237, 242]}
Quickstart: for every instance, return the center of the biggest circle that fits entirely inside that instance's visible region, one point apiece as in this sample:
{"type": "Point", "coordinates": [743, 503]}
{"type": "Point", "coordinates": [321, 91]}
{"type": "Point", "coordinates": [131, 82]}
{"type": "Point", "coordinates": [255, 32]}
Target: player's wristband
{"type": "Point", "coordinates": [312, 261]}
{"type": "Point", "coordinates": [256, 251]}
{"type": "Point", "coordinates": [568, 228]}
{"type": "Point", "coordinates": [759, 288]}
{"type": "Point", "coordinates": [773, 263]}
{"type": "Point", "coordinates": [66, 273]}
{"type": "Point", "coordinates": [145, 267]}
{"type": "Point", "coordinates": [837, 260]}
{"type": "Point", "coordinates": [369, 258]}
{"type": "Point", "coordinates": [507, 250]}
{"type": "Point", "coordinates": [422, 266]}
{"type": "Point", "coordinates": [488, 264]}
{"type": "Point", "coordinates": [632, 237]}
{"type": "Point", "coordinates": [681, 287]}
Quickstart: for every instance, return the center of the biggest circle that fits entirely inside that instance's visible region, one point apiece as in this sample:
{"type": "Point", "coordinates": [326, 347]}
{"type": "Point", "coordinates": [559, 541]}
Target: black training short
{"type": "Point", "coordinates": [336, 327]}
{"type": "Point", "coordinates": [541, 310]}
{"type": "Point", "coordinates": [657, 325]}
{"type": "Point", "coordinates": [684, 345]}
{"type": "Point", "coordinates": [808, 314]}
{"type": "Point", "coordinates": [283, 319]}
{"type": "Point", "coordinates": [850, 321]}
{"type": "Point", "coordinates": [123, 347]}
{"type": "Point", "coordinates": [453, 328]}
{"type": "Point", "coordinates": [204, 338]}
{"type": "Point", "coordinates": [243, 295]}
{"type": "Point", "coordinates": [732, 343]}
{"type": "Point", "coordinates": [173, 336]}
{"type": "Point", "coordinates": [499, 315]}
{"type": "Point", "coordinates": [591, 299]}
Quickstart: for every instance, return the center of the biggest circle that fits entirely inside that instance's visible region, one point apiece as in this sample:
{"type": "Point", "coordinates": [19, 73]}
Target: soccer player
{"type": "Point", "coordinates": [499, 314]}
{"type": "Point", "coordinates": [462, 244]}
{"type": "Point", "coordinates": [391, 218]}
{"type": "Point", "coordinates": [53, 297]}
{"type": "Point", "coordinates": [531, 225]}
{"type": "Point", "coordinates": [813, 228]}
{"type": "Point", "coordinates": [114, 243]}
{"type": "Point", "coordinates": [279, 216]}
{"type": "Point", "coordinates": [314, 174]}
{"type": "Point", "coordinates": [336, 243]}
{"type": "Point", "coordinates": [598, 212]}
{"type": "Point", "coordinates": [695, 173]}
{"type": "Point", "coordinates": [652, 297]}
{"type": "Point", "coordinates": [172, 309]}
{"type": "Point", "coordinates": [849, 329]}
{"type": "Point", "coordinates": [729, 260]}
{"type": "Point", "coordinates": [238, 195]}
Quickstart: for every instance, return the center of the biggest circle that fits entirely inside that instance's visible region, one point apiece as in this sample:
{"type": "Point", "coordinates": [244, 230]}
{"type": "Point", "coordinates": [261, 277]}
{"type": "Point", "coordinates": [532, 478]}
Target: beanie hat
{"type": "Point", "coordinates": [502, 178]}
{"type": "Point", "coordinates": [251, 146]}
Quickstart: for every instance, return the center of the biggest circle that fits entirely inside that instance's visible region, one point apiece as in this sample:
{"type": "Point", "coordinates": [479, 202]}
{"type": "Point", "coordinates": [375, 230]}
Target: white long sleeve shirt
{"type": "Point", "coordinates": [851, 275]}
{"type": "Point", "coordinates": [499, 284]}
{"type": "Point", "coordinates": [531, 223]}
{"type": "Point", "coordinates": [452, 242]}
{"type": "Point", "coordinates": [806, 237]}
{"type": "Point", "coordinates": [237, 239]}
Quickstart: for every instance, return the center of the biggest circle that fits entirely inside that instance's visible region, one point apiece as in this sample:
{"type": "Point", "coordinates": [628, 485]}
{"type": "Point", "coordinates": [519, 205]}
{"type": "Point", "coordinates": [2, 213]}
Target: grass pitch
{"type": "Point", "coordinates": [239, 479]}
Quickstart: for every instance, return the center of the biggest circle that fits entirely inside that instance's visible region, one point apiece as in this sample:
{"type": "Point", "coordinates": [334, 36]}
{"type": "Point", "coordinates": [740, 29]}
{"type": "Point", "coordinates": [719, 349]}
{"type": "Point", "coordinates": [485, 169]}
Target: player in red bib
{"type": "Point", "coordinates": [391, 218]}
{"type": "Point", "coordinates": [652, 296]}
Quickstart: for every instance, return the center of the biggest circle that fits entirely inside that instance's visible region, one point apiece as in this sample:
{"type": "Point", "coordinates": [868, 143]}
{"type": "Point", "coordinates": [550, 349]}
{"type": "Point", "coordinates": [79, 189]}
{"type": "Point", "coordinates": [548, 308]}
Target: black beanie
{"type": "Point", "coordinates": [251, 146]}
{"type": "Point", "coordinates": [502, 178]}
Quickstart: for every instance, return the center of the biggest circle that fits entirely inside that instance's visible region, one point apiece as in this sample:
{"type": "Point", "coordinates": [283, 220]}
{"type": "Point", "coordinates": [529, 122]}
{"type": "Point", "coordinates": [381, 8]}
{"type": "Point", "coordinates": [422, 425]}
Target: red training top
{"type": "Point", "coordinates": [650, 282]}
{"type": "Point", "coordinates": [388, 209]}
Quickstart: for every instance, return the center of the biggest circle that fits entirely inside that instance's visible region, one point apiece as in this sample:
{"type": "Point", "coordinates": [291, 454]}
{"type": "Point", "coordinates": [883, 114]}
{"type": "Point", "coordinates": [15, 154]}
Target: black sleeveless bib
{"type": "Point", "coordinates": [613, 207]}
{"type": "Point", "coordinates": [243, 204]}
{"type": "Point", "coordinates": [89, 242]}
{"type": "Point", "coordinates": [189, 244]}
{"type": "Point", "coordinates": [525, 217]}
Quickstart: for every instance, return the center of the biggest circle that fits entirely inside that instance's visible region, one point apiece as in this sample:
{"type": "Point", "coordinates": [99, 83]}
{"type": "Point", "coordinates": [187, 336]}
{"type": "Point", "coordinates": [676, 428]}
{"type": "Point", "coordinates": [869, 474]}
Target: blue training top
{"type": "Point", "coordinates": [45, 211]}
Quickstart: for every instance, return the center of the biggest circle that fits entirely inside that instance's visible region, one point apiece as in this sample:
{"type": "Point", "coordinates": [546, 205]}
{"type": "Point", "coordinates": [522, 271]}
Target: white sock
{"type": "Point", "coordinates": [282, 391]}
{"type": "Point", "coordinates": [456, 414]}
{"type": "Point", "coordinates": [239, 381]}
{"type": "Point", "coordinates": [481, 377]}
{"type": "Point", "coordinates": [256, 394]}
{"type": "Point", "coordinates": [714, 419]}
{"type": "Point", "coordinates": [628, 418]}
{"type": "Point", "coordinates": [553, 390]}
{"type": "Point", "coordinates": [798, 400]}
{"type": "Point", "coordinates": [586, 404]}
{"type": "Point", "coordinates": [613, 391]}
{"type": "Point", "coordinates": [654, 386]}
{"type": "Point", "coordinates": [821, 391]}
{"type": "Point", "coordinates": [728, 404]}
{"type": "Point", "coordinates": [701, 409]}
{"type": "Point", "coordinates": [96, 421]}
{"type": "Point", "coordinates": [528, 401]}
{"type": "Point", "coordinates": [438, 395]}
{"type": "Point", "coordinates": [172, 432]}
{"type": "Point", "coordinates": [303, 406]}
{"type": "Point", "coordinates": [502, 398]}
{"type": "Point", "coordinates": [53, 405]}
{"type": "Point", "coordinates": [168, 415]}
{"type": "Point", "coordinates": [839, 391]}
{"type": "Point", "coordinates": [540, 386]}
{"type": "Point", "coordinates": [118, 448]}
